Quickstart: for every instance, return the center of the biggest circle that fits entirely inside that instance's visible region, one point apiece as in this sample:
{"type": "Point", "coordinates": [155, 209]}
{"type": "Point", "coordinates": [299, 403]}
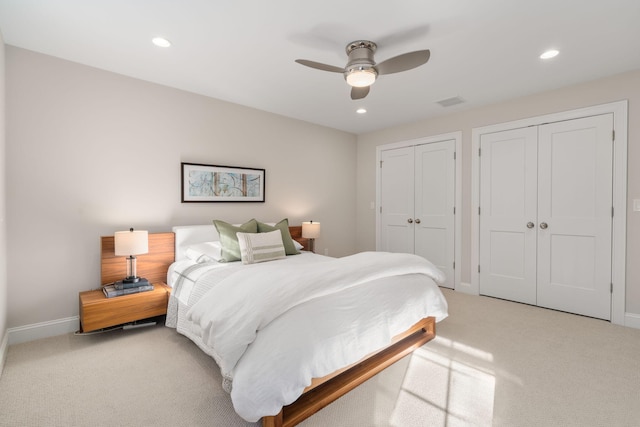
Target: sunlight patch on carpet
{"type": "Point", "coordinates": [469, 396]}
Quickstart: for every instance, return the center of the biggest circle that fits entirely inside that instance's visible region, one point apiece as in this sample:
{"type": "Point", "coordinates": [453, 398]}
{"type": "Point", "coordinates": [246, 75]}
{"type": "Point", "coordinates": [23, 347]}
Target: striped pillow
{"type": "Point", "coordinates": [260, 247]}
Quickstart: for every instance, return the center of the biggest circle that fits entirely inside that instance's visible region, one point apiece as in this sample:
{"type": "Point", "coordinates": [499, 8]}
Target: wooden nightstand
{"type": "Point", "coordinates": [98, 311]}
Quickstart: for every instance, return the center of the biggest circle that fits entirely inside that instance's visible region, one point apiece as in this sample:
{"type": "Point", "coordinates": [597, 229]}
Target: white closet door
{"type": "Point", "coordinates": [575, 200]}
{"type": "Point", "coordinates": [434, 203]}
{"type": "Point", "coordinates": [508, 203]}
{"type": "Point", "coordinates": [397, 200]}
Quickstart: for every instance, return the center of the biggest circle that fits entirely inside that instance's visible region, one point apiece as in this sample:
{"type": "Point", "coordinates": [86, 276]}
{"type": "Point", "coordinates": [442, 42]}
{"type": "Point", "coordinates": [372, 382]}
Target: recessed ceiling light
{"type": "Point", "coordinates": [361, 110]}
{"type": "Point", "coordinates": [161, 41]}
{"type": "Point", "coordinates": [552, 53]}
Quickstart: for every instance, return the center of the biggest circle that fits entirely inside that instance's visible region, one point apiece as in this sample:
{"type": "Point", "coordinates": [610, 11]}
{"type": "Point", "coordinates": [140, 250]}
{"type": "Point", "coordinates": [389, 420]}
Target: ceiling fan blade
{"type": "Point", "coordinates": [403, 36]}
{"type": "Point", "coordinates": [359, 92]}
{"type": "Point", "coordinates": [320, 66]}
{"type": "Point", "coordinates": [403, 62]}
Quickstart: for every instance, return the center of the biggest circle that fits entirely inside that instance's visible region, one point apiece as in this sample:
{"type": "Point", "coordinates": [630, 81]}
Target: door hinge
{"type": "Point", "coordinates": [479, 151]}
{"type": "Point", "coordinates": [380, 164]}
{"type": "Point", "coordinates": [478, 210]}
{"type": "Point", "coordinates": [454, 265]}
{"type": "Point", "coordinates": [611, 211]}
{"type": "Point", "coordinates": [380, 209]}
{"type": "Point", "coordinates": [454, 210]}
{"type": "Point", "coordinates": [611, 287]}
{"type": "Point", "coordinates": [478, 268]}
{"type": "Point", "coordinates": [613, 135]}
{"type": "Point", "coordinates": [454, 155]}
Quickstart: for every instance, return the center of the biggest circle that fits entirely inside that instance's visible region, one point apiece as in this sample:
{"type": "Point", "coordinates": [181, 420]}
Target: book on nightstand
{"type": "Point", "coordinates": [120, 284]}
{"type": "Point", "coordinates": [110, 291]}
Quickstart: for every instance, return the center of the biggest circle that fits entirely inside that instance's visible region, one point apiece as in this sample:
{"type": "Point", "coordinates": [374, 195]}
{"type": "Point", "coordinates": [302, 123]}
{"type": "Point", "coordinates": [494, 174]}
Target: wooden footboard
{"type": "Point", "coordinates": [330, 388]}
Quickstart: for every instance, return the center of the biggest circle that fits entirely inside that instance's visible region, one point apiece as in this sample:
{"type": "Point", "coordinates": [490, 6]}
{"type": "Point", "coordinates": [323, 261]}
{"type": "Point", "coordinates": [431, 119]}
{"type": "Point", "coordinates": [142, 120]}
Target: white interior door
{"type": "Point", "coordinates": [508, 204]}
{"type": "Point", "coordinates": [546, 202]}
{"type": "Point", "coordinates": [397, 200]}
{"type": "Point", "coordinates": [575, 202]}
{"type": "Point", "coordinates": [434, 204]}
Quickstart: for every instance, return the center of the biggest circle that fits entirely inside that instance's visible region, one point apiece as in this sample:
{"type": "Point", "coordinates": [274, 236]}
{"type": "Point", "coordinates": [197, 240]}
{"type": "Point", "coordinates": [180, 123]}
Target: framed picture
{"type": "Point", "coordinates": [211, 183]}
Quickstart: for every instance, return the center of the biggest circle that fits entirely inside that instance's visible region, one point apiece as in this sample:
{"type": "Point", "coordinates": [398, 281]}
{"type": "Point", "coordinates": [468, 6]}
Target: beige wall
{"type": "Point", "coordinates": [625, 86]}
{"type": "Point", "coordinates": [3, 224]}
{"type": "Point", "coordinates": [90, 152]}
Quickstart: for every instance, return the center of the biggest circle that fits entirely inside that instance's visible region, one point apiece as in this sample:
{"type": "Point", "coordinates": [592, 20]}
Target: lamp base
{"type": "Point", "coordinates": [131, 280]}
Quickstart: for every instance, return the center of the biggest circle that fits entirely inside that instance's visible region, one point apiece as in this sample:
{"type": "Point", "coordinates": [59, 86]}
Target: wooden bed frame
{"type": "Point", "coordinates": [322, 391]}
{"type": "Point", "coordinates": [325, 390]}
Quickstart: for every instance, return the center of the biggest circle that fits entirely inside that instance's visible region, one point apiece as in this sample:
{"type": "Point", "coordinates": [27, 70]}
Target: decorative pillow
{"type": "Point", "coordinates": [204, 252]}
{"type": "Point", "coordinates": [260, 247]}
{"type": "Point", "coordinates": [229, 240]}
{"type": "Point", "coordinates": [283, 226]}
{"type": "Point", "coordinates": [297, 245]}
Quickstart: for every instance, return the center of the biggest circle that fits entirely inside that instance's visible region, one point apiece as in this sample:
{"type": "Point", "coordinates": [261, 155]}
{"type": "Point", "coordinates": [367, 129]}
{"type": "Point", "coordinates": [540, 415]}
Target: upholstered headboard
{"type": "Point", "coordinates": [186, 235]}
{"type": "Point", "coordinates": [191, 234]}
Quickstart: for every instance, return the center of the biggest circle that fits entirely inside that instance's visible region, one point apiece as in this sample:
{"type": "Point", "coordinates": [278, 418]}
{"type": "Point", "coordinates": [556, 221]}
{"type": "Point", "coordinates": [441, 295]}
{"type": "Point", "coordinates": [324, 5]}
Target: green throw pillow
{"type": "Point", "coordinates": [283, 226]}
{"type": "Point", "coordinates": [229, 239]}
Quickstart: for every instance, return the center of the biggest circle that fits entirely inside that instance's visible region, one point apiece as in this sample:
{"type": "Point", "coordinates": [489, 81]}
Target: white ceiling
{"type": "Point", "coordinates": [243, 51]}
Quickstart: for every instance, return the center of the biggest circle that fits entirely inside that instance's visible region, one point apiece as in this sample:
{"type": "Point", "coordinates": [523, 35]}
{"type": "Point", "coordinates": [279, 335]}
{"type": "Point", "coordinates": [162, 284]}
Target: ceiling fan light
{"type": "Point", "coordinates": [359, 77]}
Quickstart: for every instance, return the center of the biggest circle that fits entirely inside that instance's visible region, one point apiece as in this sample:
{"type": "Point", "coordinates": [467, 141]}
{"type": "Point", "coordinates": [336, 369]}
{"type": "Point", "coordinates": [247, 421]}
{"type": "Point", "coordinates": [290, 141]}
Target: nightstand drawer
{"type": "Point", "coordinates": [98, 311]}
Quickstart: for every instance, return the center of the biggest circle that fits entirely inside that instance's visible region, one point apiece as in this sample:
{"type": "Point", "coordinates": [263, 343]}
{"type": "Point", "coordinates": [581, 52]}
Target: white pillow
{"type": "Point", "coordinates": [204, 252]}
{"type": "Point", "coordinates": [260, 247]}
{"type": "Point", "coordinates": [297, 245]}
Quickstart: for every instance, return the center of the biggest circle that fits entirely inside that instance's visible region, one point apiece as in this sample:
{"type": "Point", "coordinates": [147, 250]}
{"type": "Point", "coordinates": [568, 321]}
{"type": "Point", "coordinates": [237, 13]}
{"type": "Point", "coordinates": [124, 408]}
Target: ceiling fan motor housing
{"type": "Point", "coordinates": [361, 61]}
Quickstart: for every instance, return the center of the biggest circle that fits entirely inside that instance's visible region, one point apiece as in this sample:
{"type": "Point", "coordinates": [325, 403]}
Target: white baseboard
{"type": "Point", "coordinates": [632, 320]}
{"type": "Point", "coordinates": [4, 346]}
{"type": "Point", "coordinates": [43, 330]}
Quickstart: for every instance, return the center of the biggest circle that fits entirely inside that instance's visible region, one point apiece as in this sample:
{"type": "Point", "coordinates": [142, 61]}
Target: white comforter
{"type": "Point", "coordinates": [274, 331]}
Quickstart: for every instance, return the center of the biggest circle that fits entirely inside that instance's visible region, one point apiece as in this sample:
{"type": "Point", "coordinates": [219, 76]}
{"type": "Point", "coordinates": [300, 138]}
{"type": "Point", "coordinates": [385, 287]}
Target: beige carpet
{"type": "Point", "coordinates": [493, 363]}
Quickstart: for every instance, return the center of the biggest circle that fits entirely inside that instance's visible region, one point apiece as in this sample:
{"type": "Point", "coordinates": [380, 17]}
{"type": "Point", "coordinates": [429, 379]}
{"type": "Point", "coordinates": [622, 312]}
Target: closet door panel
{"type": "Point", "coordinates": [434, 202]}
{"type": "Point", "coordinates": [397, 195]}
{"type": "Point", "coordinates": [575, 199]}
{"type": "Point", "coordinates": [508, 201]}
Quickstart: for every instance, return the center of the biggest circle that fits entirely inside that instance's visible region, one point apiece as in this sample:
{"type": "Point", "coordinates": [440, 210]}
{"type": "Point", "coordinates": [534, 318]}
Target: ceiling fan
{"type": "Point", "coordinates": [362, 71]}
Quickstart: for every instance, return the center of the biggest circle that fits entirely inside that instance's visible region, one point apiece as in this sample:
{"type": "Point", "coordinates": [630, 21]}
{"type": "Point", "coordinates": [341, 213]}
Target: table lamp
{"type": "Point", "coordinates": [131, 243]}
{"type": "Point", "coordinates": [311, 231]}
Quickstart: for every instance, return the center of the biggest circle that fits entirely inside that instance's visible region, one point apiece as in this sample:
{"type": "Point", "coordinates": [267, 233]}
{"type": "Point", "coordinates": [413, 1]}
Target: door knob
{"type": "Point", "coordinates": [410, 221]}
{"type": "Point", "coordinates": [417, 220]}
{"type": "Point", "coordinates": [543, 225]}
{"type": "Point", "coordinates": [530, 225]}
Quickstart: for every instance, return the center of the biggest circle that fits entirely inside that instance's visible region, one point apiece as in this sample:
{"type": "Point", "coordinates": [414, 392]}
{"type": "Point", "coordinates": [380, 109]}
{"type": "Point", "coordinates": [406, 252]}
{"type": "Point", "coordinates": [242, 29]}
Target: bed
{"type": "Point", "coordinates": [295, 333]}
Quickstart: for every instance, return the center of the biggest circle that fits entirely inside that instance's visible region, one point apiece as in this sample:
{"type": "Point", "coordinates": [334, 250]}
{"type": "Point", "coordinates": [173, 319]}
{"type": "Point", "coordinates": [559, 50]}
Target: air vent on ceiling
{"type": "Point", "coordinates": [451, 101]}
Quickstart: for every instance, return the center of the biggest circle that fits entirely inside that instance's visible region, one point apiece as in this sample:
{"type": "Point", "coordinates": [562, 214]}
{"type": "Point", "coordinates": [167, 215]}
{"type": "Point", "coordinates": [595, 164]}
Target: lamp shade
{"type": "Point", "coordinates": [131, 242]}
{"type": "Point", "coordinates": [310, 230]}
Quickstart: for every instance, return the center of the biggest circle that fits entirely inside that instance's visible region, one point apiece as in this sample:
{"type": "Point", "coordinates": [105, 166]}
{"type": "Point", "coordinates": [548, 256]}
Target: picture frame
{"type": "Point", "coordinates": [202, 183]}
